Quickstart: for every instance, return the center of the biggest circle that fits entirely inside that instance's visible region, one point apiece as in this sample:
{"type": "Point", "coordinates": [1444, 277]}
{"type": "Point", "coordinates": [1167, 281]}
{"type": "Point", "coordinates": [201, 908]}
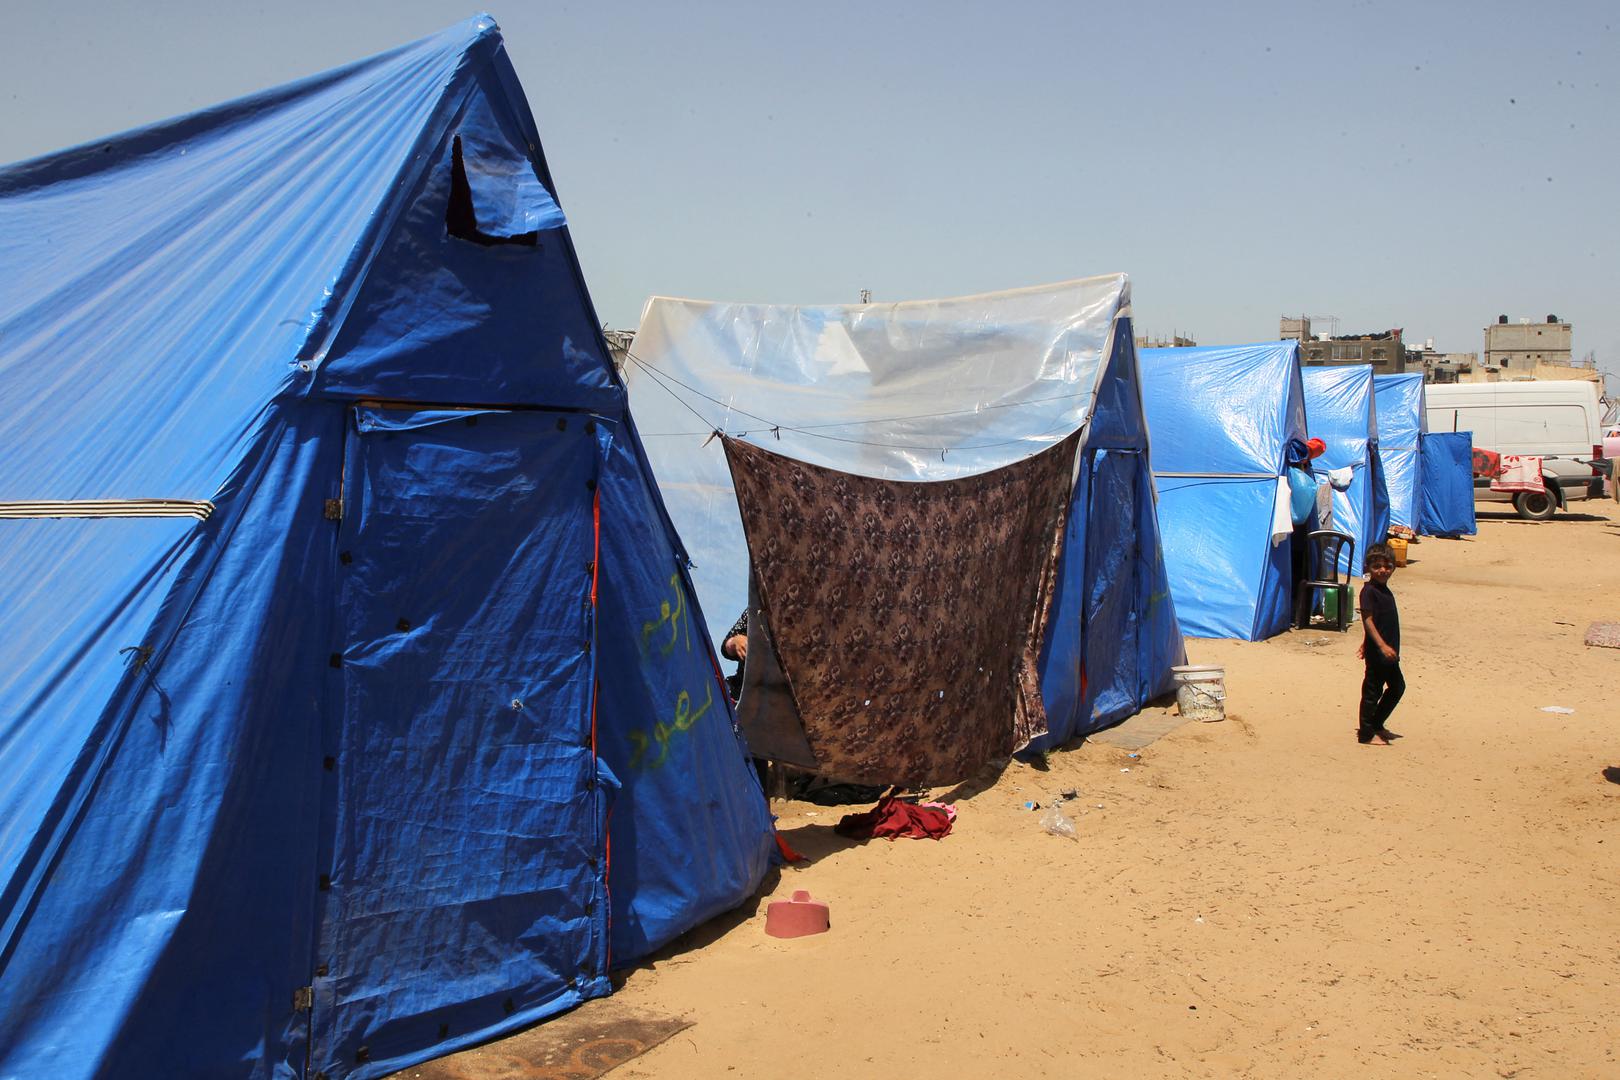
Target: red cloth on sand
{"type": "Point", "coordinates": [892, 818]}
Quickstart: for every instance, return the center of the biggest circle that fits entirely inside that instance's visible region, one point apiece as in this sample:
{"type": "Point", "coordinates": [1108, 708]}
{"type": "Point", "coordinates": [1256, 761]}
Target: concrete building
{"type": "Point", "coordinates": [1174, 341]}
{"type": "Point", "coordinates": [1383, 351]}
{"type": "Point", "coordinates": [1294, 328]}
{"type": "Point", "coordinates": [1538, 351]}
{"type": "Point", "coordinates": [1441, 367]}
{"type": "Point", "coordinates": [1522, 345]}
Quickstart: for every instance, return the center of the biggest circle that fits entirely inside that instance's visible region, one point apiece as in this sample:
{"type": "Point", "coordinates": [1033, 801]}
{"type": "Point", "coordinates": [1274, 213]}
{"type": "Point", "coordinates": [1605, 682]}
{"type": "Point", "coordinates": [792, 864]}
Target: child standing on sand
{"type": "Point", "coordinates": [1383, 685]}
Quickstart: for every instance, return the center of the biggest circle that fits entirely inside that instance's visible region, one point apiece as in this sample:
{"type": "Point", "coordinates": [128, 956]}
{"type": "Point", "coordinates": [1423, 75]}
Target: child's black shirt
{"type": "Point", "coordinates": [1378, 602]}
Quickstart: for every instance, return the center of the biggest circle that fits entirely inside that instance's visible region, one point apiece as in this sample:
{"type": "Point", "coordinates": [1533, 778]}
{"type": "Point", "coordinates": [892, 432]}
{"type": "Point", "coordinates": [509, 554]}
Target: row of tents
{"type": "Point", "coordinates": [1225, 421]}
{"type": "Point", "coordinates": [358, 698]}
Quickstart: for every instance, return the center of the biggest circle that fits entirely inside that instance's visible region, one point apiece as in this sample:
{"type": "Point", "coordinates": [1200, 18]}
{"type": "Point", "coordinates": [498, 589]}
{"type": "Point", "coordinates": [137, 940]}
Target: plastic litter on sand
{"type": "Point", "coordinates": [1561, 710]}
{"type": "Point", "coordinates": [1056, 822]}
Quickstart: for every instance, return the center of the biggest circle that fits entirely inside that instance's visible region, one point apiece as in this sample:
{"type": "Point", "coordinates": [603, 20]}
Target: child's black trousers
{"type": "Point", "coordinates": [1381, 691]}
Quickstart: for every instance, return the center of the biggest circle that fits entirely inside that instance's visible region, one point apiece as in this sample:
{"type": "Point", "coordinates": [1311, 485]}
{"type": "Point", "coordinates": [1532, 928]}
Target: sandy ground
{"type": "Point", "coordinates": [1261, 897]}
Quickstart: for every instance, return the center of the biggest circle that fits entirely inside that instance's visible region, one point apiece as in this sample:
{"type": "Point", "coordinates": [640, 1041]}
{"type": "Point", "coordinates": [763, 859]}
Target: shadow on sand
{"type": "Point", "coordinates": [1514, 519]}
{"type": "Point", "coordinates": [705, 934]}
{"type": "Point", "coordinates": [815, 842]}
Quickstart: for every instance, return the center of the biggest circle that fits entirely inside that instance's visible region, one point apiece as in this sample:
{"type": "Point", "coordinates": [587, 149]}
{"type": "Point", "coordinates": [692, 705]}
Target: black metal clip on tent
{"type": "Point", "coordinates": [1325, 558]}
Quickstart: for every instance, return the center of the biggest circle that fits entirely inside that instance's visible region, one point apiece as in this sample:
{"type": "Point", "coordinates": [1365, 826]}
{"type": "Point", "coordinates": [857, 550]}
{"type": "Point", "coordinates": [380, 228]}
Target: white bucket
{"type": "Point", "coordinates": [1200, 691]}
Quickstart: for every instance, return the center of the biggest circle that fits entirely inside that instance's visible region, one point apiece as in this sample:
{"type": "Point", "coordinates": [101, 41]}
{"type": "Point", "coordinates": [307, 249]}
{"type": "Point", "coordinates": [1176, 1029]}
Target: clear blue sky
{"type": "Point", "coordinates": [1425, 165]}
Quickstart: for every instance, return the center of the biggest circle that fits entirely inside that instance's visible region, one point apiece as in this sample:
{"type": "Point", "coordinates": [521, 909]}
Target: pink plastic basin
{"type": "Point", "coordinates": [797, 917]}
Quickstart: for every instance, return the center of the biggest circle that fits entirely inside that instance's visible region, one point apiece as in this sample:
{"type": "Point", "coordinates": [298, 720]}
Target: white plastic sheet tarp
{"type": "Point", "coordinates": [923, 390]}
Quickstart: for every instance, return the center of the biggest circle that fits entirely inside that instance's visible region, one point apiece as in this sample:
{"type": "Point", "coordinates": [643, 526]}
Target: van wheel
{"type": "Point", "coordinates": [1535, 505]}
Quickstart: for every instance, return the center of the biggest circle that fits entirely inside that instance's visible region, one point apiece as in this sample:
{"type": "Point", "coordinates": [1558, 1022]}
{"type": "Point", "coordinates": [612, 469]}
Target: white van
{"type": "Point", "coordinates": [1560, 421]}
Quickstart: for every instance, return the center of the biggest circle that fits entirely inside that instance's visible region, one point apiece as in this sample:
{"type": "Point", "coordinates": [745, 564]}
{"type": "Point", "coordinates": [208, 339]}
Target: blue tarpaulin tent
{"type": "Point", "coordinates": [1221, 419]}
{"type": "Point", "coordinates": [1401, 424]}
{"type": "Point", "coordinates": [1447, 461]}
{"type": "Point", "coordinates": [926, 390]}
{"type": "Point", "coordinates": [1341, 411]}
{"type": "Point", "coordinates": [346, 635]}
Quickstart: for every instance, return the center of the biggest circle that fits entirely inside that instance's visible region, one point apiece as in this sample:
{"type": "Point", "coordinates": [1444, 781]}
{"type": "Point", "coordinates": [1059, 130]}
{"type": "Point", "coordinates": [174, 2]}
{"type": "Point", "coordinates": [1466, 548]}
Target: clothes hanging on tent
{"type": "Point", "coordinates": [1487, 463]}
{"type": "Point", "coordinates": [1282, 524]}
{"type": "Point", "coordinates": [1519, 473]}
{"type": "Point", "coordinates": [907, 617]}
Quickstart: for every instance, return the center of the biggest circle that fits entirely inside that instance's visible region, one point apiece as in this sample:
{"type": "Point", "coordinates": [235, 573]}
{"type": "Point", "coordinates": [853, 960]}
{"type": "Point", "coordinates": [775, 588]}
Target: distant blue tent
{"type": "Point", "coordinates": [1401, 424]}
{"type": "Point", "coordinates": [925, 390]}
{"type": "Point", "coordinates": [1221, 419]}
{"type": "Point", "coordinates": [345, 632]}
{"type": "Point", "coordinates": [1448, 484]}
{"type": "Point", "coordinates": [1341, 411]}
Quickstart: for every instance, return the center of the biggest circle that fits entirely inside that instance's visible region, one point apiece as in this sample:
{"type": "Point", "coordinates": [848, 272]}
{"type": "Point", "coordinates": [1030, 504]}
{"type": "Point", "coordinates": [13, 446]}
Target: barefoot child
{"type": "Point", "coordinates": [1383, 685]}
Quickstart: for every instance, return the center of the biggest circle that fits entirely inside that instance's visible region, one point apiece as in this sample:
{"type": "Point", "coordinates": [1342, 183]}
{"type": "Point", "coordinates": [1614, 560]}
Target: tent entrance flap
{"type": "Point", "coordinates": [462, 876]}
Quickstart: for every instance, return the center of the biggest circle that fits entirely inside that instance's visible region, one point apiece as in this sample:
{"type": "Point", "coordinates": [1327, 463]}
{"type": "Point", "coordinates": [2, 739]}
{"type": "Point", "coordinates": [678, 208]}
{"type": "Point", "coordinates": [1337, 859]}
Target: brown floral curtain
{"type": "Point", "coordinates": [906, 617]}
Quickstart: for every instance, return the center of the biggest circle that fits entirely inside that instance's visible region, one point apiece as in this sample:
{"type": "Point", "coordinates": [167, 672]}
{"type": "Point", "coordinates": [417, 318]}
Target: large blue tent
{"type": "Point", "coordinates": [1221, 419]}
{"type": "Point", "coordinates": [354, 701]}
{"type": "Point", "coordinates": [1447, 460]}
{"type": "Point", "coordinates": [1341, 411]}
{"type": "Point", "coordinates": [927, 390]}
{"type": "Point", "coordinates": [1401, 425]}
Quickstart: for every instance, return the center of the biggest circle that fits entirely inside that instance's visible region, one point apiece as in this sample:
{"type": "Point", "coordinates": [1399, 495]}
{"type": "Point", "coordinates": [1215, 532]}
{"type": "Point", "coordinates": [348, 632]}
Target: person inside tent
{"type": "Point", "coordinates": [734, 646]}
{"type": "Point", "coordinates": [1302, 504]}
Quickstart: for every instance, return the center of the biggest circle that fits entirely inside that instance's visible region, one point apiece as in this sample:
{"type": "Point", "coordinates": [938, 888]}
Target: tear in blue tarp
{"type": "Point", "coordinates": [1221, 420]}
{"type": "Point", "coordinates": [1341, 411]}
{"type": "Point", "coordinates": [1401, 424]}
{"type": "Point", "coordinates": [367, 721]}
{"type": "Point", "coordinates": [1448, 484]}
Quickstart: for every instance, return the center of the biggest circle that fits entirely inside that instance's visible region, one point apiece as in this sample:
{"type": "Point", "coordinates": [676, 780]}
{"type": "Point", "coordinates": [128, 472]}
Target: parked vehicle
{"type": "Point", "coordinates": [1560, 422]}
